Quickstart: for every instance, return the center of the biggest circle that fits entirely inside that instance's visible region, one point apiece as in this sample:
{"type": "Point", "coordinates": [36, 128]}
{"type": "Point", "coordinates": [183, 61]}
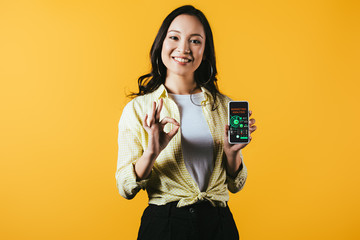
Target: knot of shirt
{"type": "Point", "coordinates": [201, 196]}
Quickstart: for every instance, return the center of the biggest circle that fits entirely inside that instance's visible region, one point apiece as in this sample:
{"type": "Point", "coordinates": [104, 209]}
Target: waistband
{"type": "Point", "coordinates": [198, 208]}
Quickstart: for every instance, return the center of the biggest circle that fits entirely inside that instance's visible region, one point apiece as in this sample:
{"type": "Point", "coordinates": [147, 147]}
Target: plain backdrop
{"type": "Point", "coordinates": [65, 67]}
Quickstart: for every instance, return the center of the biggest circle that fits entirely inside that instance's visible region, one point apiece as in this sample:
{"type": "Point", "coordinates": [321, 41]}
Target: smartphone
{"type": "Point", "coordinates": [239, 131]}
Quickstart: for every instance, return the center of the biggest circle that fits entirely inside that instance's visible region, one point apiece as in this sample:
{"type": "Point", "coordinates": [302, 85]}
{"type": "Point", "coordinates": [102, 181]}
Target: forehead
{"type": "Point", "coordinates": [187, 24]}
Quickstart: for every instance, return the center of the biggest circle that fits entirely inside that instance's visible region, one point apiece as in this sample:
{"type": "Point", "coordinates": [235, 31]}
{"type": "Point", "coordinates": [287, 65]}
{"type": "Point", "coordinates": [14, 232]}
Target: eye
{"type": "Point", "coordinates": [173, 37]}
{"type": "Point", "coordinates": [195, 41]}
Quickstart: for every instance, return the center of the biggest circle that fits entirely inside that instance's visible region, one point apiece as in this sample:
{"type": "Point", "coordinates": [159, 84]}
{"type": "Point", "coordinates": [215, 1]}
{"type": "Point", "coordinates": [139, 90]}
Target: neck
{"type": "Point", "coordinates": [181, 85]}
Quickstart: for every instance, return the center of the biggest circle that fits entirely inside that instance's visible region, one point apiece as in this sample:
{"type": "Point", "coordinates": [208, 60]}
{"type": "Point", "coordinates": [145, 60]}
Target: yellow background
{"type": "Point", "coordinates": [65, 67]}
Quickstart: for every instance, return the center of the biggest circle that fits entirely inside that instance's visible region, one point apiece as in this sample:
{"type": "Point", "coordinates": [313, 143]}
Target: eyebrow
{"type": "Point", "coordinates": [194, 34]}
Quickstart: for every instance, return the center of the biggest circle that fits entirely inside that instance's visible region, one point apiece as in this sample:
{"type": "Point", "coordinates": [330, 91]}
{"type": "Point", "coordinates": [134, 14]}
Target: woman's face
{"type": "Point", "coordinates": [183, 46]}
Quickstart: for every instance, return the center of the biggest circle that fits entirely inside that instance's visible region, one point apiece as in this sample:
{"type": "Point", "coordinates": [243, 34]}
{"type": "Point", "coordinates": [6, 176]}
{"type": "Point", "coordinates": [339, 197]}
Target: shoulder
{"type": "Point", "coordinates": [224, 97]}
{"type": "Point", "coordinates": [133, 111]}
{"type": "Point", "coordinates": [138, 104]}
{"type": "Point", "coordinates": [223, 100]}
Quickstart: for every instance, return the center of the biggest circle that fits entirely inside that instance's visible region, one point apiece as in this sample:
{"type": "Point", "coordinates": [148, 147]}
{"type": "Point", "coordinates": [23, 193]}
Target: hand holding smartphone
{"type": "Point", "coordinates": [239, 130]}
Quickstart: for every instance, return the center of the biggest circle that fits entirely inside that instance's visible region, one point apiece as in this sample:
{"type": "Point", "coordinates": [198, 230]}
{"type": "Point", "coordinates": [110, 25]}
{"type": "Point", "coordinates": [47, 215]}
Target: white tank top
{"type": "Point", "coordinates": [196, 139]}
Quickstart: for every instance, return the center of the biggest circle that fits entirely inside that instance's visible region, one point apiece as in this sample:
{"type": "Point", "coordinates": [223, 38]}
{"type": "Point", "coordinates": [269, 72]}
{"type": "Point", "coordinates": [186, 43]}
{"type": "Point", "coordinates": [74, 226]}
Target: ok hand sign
{"type": "Point", "coordinates": [158, 139]}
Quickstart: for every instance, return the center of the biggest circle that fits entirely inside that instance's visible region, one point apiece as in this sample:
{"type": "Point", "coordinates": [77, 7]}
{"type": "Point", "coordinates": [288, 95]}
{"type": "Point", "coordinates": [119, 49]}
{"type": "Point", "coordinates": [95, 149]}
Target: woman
{"type": "Point", "coordinates": [186, 173]}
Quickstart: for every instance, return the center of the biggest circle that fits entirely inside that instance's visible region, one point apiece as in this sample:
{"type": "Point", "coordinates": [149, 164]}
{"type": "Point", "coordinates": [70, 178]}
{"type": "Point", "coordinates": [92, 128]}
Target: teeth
{"type": "Point", "coordinates": [181, 59]}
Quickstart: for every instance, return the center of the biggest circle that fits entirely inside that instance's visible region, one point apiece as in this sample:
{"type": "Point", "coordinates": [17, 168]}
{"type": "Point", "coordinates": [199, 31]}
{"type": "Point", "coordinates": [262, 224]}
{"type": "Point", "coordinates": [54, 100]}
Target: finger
{"type": "Point", "coordinates": [145, 125]}
{"type": "Point", "coordinates": [159, 109]}
{"type": "Point", "coordinates": [172, 133]}
{"type": "Point", "coordinates": [152, 119]}
{"type": "Point", "coordinates": [252, 121]}
{"type": "Point", "coordinates": [167, 120]}
{"type": "Point", "coordinates": [250, 112]}
{"type": "Point", "coordinates": [253, 128]}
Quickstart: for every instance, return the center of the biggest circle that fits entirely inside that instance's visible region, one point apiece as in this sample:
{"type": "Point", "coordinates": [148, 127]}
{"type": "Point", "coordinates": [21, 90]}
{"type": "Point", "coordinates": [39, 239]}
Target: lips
{"type": "Point", "coordinates": [181, 60]}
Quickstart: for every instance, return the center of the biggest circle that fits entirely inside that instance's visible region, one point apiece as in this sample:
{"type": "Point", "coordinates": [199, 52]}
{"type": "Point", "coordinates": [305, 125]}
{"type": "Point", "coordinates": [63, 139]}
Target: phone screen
{"type": "Point", "coordinates": [238, 122]}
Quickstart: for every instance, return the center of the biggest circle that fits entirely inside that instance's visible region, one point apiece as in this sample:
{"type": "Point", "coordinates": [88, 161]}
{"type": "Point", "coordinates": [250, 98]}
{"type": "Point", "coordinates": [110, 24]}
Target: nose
{"type": "Point", "coordinates": [183, 47]}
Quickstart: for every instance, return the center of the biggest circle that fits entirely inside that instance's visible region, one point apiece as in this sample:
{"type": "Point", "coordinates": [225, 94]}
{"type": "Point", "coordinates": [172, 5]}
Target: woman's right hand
{"type": "Point", "coordinates": [158, 139]}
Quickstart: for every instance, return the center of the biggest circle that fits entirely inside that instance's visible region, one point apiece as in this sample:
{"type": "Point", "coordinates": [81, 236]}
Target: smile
{"type": "Point", "coordinates": [181, 60]}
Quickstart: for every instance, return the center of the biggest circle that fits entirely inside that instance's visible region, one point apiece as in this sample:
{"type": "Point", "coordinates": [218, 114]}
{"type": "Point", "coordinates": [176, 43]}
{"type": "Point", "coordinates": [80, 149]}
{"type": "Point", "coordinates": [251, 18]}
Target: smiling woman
{"type": "Point", "coordinates": [182, 53]}
{"type": "Point", "coordinates": [194, 41]}
{"type": "Point", "coordinates": [183, 49]}
{"type": "Point", "coordinates": [186, 173]}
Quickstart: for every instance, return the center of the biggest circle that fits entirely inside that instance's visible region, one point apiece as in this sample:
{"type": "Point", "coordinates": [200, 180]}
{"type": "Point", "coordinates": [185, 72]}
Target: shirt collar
{"type": "Point", "coordinates": [161, 92]}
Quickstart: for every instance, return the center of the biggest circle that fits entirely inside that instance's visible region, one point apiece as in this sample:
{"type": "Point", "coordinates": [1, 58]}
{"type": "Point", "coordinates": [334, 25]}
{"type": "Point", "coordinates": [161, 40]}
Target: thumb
{"type": "Point", "coordinates": [226, 130]}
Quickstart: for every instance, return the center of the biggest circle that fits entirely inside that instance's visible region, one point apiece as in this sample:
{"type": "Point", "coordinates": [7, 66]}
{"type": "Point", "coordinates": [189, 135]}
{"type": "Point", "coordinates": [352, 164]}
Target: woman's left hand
{"type": "Point", "coordinates": [231, 150]}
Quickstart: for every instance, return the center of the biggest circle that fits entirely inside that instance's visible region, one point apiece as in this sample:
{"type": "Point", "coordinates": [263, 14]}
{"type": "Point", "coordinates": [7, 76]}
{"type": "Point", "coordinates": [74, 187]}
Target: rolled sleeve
{"type": "Point", "coordinates": [129, 151]}
{"type": "Point", "coordinates": [237, 183]}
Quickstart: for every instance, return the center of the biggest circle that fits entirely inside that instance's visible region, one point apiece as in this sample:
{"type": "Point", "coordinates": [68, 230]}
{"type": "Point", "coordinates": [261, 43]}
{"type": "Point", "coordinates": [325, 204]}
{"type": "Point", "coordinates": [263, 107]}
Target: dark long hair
{"type": "Point", "coordinates": [205, 75]}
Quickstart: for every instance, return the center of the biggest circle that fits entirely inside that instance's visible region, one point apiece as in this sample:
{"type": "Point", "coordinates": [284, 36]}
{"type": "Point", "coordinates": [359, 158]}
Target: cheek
{"type": "Point", "coordinates": [199, 53]}
{"type": "Point", "coordinates": [167, 47]}
{"type": "Point", "coordinates": [166, 51]}
{"type": "Point", "coordinates": [199, 50]}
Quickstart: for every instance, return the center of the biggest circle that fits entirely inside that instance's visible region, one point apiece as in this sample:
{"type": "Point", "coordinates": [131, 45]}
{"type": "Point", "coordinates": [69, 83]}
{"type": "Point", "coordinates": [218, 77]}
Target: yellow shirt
{"type": "Point", "coordinates": [169, 179]}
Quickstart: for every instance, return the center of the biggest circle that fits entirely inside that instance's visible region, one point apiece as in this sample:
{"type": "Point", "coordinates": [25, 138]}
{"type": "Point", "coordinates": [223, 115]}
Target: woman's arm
{"type": "Point", "coordinates": [233, 165]}
{"type": "Point", "coordinates": [158, 139]}
{"type": "Point", "coordinates": [144, 165]}
{"type": "Point", "coordinates": [134, 164]}
{"type": "Point", "coordinates": [235, 168]}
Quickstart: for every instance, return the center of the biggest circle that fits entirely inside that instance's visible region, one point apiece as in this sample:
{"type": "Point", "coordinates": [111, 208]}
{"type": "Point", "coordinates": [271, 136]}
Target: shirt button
{"type": "Point", "coordinates": [191, 210]}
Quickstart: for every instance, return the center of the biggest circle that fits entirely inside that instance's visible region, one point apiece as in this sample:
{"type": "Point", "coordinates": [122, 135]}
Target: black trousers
{"type": "Point", "coordinates": [194, 222]}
